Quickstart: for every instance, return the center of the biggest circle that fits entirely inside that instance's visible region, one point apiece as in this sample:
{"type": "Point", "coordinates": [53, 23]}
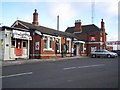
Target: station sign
{"type": "Point", "coordinates": [21, 35]}
{"type": "Point", "coordinates": [113, 43]}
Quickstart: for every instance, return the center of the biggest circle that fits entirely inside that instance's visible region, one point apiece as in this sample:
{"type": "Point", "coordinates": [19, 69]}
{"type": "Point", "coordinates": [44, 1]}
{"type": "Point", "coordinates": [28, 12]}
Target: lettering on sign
{"type": "Point", "coordinates": [113, 43]}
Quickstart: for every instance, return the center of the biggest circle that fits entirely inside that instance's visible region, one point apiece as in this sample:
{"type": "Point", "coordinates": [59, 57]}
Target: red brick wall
{"type": "Point", "coordinates": [97, 35]}
{"type": "Point", "coordinates": [20, 26]}
{"type": "Point", "coordinates": [33, 52]}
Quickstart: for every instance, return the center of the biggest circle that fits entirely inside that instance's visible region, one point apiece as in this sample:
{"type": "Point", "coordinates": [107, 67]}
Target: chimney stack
{"type": "Point", "coordinates": [35, 18]}
{"type": "Point", "coordinates": [78, 27]}
{"type": "Point", "coordinates": [102, 25]}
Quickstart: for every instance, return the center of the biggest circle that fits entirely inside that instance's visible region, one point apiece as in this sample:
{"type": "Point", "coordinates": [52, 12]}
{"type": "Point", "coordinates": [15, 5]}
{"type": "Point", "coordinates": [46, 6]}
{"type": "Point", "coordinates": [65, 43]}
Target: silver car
{"type": "Point", "coordinates": [103, 53]}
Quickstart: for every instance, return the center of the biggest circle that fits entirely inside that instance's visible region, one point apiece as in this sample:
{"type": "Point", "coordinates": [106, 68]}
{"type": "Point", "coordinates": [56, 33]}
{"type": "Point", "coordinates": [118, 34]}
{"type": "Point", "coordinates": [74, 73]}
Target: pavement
{"type": "Point", "coordinates": [28, 61]}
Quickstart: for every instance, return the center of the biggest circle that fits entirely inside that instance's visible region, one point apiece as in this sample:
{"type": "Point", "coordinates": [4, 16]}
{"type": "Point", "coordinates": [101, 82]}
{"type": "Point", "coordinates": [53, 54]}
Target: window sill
{"type": "Point", "coordinates": [48, 50]}
{"type": "Point", "coordinates": [12, 46]}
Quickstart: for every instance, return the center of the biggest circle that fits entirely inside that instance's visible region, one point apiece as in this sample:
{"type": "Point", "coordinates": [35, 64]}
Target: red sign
{"type": "Point", "coordinates": [18, 52]}
{"type": "Point", "coordinates": [113, 43]}
{"type": "Point", "coordinates": [93, 38]}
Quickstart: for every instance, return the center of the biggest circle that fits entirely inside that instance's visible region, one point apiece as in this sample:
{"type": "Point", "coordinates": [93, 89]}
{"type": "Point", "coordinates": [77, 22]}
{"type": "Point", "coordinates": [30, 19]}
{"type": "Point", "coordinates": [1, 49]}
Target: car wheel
{"type": "Point", "coordinates": [108, 56]}
{"type": "Point", "coordinates": [93, 55]}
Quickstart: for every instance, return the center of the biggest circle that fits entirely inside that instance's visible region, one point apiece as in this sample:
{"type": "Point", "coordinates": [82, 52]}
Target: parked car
{"type": "Point", "coordinates": [116, 51]}
{"type": "Point", "coordinates": [103, 53]}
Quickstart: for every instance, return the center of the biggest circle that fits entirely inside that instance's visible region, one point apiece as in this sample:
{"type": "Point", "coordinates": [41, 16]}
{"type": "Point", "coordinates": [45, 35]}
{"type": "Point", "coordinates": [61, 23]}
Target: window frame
{"type": "Point", "coordinates": [45, 44]}
{"type": "Point", "coordinates": [59, 40]}
{"type": "Point", "coordinates": [68, 45]}
{"type": "Point", "coordinates": [25, 43]}
{"type": "Point", "coordinates": [13, 46]}
{"type": "Point", "coordinates": [49, 43]}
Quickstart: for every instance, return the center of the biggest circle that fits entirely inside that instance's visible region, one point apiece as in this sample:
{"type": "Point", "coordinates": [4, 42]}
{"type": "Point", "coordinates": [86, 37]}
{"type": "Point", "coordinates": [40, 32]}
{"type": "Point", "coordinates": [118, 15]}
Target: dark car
{"type": "Point", "coordinates": [116, 51]}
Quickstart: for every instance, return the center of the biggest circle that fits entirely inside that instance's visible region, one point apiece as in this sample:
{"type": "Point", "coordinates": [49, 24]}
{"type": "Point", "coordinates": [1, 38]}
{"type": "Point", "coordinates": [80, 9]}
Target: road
{"type": "Point", "coordinates": [74, 73]}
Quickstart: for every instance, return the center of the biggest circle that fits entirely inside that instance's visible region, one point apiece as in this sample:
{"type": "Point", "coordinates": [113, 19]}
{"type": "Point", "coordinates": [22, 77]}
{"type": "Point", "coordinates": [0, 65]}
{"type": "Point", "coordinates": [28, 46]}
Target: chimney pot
{"type": "Point", "coordinates": [78, 27]}
{"type": "Point", "coordinates": [102, 24]}
{"type": "Point", "coordinates": [35, 18]}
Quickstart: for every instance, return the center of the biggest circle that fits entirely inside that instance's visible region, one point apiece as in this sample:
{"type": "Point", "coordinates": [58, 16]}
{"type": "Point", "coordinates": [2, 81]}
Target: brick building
{"type": "Point", "coordinates": [50, 43]}
{"type": "Point", "coordinates": [94, 37]}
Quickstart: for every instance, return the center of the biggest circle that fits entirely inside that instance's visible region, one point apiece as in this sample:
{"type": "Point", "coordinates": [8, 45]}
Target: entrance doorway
{"type": "Point", "coordinates": [75, 52]}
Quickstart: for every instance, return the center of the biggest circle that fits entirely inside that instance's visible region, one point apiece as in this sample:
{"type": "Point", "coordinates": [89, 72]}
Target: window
{"type": "Point", "coordinates": [58, 45]}
{"type": "Point", "coordinates": [68, 43]}
{"type": "Point", "coordinates": [81, 47]}
{"type": "Point", "coordinates": [13, 43]}
{"type": "Point", "coordinates": [45, 42]}
{"type": "Point", "coordinates": [100, 38]}
{"type": "Point", "coordinates": [50, 42]}
{"type": "Point", "coordinates": [24, 44]}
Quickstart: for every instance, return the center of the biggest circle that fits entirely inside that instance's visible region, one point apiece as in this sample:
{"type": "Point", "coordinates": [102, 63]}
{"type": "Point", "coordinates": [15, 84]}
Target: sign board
{"type": "Point", "coordinates": [18, 52]}
{"type": "Point", "coordinates": [92, 38]}
{"type": "Point", "coordinates": [113, 43]}
{"type": "Point", "coordinates": [21, 35]}
{"type": "Point", "coordinates": [37, 46]}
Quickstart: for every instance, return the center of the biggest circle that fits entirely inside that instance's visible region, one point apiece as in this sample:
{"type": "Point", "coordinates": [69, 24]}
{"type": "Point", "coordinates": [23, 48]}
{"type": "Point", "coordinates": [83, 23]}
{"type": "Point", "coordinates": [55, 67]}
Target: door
{"type": "Point", "coordinates": [25, 48]}
{"type": "Point", "coordinates": [75, 50]}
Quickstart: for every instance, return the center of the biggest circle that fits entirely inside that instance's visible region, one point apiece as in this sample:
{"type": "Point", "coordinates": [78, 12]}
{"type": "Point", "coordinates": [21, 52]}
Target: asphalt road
{"type": "Point", "coordinates": [76, 73]}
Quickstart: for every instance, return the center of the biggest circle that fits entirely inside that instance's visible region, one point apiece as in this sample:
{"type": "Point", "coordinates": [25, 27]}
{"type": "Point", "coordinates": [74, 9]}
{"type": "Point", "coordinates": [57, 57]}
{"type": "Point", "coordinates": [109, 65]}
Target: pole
{"type": "Point", "coordinates": [58, 22]}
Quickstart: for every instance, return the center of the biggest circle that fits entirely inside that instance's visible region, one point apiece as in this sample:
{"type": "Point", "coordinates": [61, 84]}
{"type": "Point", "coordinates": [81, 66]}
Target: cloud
{"type": "Point", "coordinates": [113, 38]}
{"type": "Point", "coordinates": [27, 19]}
{"type": "Point", "coordinates": [113, 8]}
{"type": "Point", "coordinates": [64, 10]}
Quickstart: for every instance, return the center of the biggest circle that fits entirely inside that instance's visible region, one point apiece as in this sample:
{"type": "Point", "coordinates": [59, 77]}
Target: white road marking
{"type": "Point", "coordinates": [70, 68]}
{"type": "Point", "coordinates": [69, 80]}
{"type": "Point", "coordinates": [14, 75]}
{"type": "Point", "coordinates": [91, 66]}
{"type": "Point", "coordinates": [84, 66]}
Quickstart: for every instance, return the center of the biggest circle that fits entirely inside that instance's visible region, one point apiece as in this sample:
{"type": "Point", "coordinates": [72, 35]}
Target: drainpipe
{"type": "Point", "coordinates": [87, 43]}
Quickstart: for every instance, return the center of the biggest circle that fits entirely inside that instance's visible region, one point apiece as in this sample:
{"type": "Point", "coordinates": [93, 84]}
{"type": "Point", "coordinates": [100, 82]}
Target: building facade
{"type": "Point", "coordinates": [14, 43]}
{"type": "Point", "coordinates": [94, 37]}
{"type": "Point", "coordinates": [50, 43]}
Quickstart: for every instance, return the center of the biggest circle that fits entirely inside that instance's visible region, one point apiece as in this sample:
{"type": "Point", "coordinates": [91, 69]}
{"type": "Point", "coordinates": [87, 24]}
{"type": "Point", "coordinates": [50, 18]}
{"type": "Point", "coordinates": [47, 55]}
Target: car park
{"type": "Point", "coordinates": [103, 53]}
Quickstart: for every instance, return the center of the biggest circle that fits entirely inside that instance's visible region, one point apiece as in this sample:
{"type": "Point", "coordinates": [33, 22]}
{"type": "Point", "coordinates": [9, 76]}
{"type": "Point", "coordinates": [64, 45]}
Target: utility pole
{"type": "Point", "coordinates": [93, 10]}
{"type": "Point", "coordinates": [58, 22]}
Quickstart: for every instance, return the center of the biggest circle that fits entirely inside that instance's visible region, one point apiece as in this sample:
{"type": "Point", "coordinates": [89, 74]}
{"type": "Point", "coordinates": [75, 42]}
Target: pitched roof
{"type": "Point", "coordinates": [46, 30]}
{"type": "Point", "coordinates": [85, 29]}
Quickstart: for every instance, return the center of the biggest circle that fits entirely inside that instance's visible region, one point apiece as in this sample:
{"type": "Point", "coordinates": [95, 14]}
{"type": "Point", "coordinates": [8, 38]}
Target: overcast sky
{"type": "Point", "coordinates": [68, 11]}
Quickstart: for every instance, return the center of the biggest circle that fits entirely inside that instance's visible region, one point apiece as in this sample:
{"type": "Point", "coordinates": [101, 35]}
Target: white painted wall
{"type": "Point", "coordinates": [7, 50]}
{"type": "Point", "coordinates": [1, 46]}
